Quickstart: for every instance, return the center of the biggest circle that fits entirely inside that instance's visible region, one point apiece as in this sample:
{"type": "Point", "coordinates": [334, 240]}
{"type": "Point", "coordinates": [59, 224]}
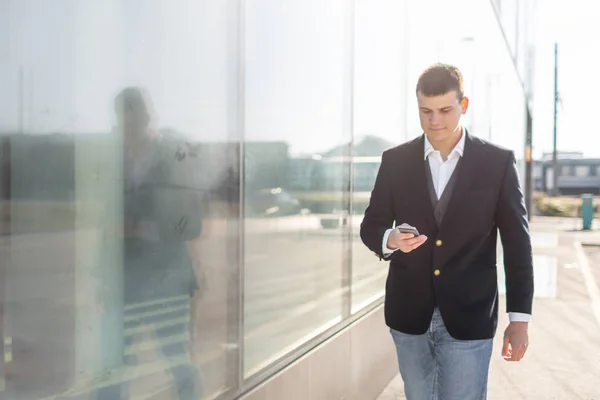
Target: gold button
{"type": "Point", "coordinates": [438, 243]}
{"type": "Point", "coordinates": [437, 272]}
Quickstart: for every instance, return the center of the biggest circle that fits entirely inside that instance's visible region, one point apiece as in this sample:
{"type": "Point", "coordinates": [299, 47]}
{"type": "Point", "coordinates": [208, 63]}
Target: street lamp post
{"type": "Point", "coordinates": [554, 152]}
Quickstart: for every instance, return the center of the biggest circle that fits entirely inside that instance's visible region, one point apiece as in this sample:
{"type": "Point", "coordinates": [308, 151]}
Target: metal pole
{"type": "Point", "coordinates": [554, 155]}
{"type": "Point", "coordinates": [529, 184]}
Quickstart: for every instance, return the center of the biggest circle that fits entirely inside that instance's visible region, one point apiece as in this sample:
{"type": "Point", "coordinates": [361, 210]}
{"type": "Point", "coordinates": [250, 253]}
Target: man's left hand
{"type": "Point", "coordinates": [516, 341]}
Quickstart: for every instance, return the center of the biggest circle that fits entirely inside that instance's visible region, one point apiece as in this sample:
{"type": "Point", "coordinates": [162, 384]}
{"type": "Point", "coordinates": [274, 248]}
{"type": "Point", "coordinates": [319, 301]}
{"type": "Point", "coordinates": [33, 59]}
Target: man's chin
{"type": "Point", "coordinates": [437, 135]}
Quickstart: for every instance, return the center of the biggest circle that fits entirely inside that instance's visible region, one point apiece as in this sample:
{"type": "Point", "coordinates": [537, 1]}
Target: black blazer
{"type": "Point", "coordinates": [487, 198]}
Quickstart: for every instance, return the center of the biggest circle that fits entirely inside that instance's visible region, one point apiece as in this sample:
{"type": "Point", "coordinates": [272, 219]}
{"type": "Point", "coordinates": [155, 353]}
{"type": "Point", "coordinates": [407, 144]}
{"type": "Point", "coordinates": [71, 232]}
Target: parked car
{"type": "Point", "coordinates": [273, 202]}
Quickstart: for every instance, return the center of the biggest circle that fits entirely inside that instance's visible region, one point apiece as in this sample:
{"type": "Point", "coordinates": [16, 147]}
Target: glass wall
{"type": "Point", "coordinates": [379, 122]}
{"type": "Point", "coordinates": [296, 112]}
{"type": "Point", "coordinates": [182, 182]}
{"type": "Point", "coordinates": [518, 21]}
{"type": "Point", "coordinates": [119, 153]}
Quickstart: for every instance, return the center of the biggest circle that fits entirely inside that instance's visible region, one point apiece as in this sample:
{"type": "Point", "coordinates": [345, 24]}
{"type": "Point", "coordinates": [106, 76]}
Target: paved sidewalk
{"type": "Point", "coordinates": [563, 360]}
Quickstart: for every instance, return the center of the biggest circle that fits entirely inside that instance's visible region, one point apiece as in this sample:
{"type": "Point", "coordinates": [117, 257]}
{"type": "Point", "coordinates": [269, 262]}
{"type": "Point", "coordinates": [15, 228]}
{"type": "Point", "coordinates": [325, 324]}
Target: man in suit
{"type": "Point", "coordinates": [441, 293]}
{"type": "Point", "coordinates": [161, 219]}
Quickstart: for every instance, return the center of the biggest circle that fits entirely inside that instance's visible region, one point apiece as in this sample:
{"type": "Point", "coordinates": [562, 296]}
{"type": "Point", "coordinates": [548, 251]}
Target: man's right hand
{"type": "Point", "coordinates": [405, 242]}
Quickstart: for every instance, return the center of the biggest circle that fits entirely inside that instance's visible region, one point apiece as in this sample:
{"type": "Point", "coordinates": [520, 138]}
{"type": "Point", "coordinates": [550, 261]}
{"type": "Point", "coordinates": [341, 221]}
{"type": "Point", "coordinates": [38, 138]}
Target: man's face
{"type": "Point", "coordinates": [440, 115]}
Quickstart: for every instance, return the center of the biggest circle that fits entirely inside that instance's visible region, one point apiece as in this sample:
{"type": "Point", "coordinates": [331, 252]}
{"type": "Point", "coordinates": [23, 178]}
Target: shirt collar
{"type": "Point", "coordinates": [459, 148]}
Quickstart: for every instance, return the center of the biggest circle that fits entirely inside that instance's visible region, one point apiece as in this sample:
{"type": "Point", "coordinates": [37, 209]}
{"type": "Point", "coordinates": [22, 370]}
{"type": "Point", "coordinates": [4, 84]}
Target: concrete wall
{"type": "Point", "coordinates": [355, 364]}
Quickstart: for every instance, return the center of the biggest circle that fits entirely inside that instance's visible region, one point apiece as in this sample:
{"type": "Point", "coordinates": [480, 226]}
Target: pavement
{"type": "Point", "coordinates": [562, 361]}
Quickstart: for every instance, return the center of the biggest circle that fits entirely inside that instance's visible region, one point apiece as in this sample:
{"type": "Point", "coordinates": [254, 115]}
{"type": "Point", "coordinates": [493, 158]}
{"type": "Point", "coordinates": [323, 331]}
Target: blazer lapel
{"type": "Point", "coordinates": [417, 180]}
{"type": "Point", "coordinates": [472, 157]}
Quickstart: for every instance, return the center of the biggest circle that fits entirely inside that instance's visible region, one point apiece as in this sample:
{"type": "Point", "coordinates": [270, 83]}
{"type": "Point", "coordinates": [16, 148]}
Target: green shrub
{"type": "Point", "coordinates": [562, 206]}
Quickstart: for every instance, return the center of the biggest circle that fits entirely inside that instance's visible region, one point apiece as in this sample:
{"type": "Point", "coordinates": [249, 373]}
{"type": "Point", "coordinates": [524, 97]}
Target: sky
{"type": "Point", "coordinates": [574, 26]}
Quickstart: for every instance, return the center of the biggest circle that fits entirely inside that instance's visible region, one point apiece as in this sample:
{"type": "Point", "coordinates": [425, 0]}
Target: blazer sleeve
{"type": "Point", "coordinates": [379, 215]}
{"type": "Point", "coordinates": [511, 219]}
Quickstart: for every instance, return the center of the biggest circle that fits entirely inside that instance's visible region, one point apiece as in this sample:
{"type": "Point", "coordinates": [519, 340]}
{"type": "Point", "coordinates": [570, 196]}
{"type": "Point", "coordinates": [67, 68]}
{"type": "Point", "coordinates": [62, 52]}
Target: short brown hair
{"type": "Point", "coordinates": [440, 79]}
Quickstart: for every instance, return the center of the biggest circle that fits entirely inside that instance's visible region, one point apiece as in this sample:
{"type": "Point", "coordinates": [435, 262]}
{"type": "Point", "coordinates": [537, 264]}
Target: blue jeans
{"type": "Point", "coordinates": [435, 366]}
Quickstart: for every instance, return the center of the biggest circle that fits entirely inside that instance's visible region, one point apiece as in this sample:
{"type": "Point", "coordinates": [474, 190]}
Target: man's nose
{"type": "Point", "coordinates": [434, 119]}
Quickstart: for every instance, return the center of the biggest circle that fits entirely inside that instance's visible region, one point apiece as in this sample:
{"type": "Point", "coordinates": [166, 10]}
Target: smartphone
{"type": "Point", "coordinates": [405, 228]}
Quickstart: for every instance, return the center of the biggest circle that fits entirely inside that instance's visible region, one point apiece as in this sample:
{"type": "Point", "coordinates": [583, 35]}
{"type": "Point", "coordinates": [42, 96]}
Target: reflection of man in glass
{"type": "Point", "coordinates": [161, 214]}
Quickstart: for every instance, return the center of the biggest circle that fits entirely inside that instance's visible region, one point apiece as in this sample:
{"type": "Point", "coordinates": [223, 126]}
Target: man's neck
{"type": "Point", "coordinates": [446, 147]}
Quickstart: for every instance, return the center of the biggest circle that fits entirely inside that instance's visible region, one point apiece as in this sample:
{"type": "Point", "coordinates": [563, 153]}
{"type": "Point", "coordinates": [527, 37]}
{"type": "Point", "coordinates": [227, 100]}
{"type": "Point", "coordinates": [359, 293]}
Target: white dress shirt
{"type": "Point", "coordinates": [441, 171]}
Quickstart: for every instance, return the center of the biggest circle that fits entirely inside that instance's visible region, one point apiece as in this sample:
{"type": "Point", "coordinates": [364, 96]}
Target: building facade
{"type": "Point", "coordinates": [222, 260]}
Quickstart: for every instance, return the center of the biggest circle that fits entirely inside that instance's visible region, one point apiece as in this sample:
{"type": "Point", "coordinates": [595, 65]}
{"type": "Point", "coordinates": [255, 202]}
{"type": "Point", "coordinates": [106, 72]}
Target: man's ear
{"type": "Point", "coordinates": [464, 105]}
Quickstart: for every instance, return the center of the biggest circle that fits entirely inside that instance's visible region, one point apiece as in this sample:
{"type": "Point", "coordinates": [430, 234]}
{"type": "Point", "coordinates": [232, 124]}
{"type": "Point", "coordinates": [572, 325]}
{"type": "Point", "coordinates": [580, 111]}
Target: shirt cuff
{"type": "Point", "coordinates": [386, 251]}
{"type": "Point", "coordinates": [519, 317]}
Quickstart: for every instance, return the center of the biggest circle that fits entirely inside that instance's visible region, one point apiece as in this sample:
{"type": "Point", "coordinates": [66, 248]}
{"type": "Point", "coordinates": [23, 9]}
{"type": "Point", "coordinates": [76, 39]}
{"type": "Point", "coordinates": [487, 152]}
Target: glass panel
{"type": "Point", "coordinates": [509, 21]}
{"type": "Point", "coordinates": [296, 173]}
{"type": "Point", "coordinates": [380, 88]}
{"type": "Point", "coordinates": [582, 171]}
{"type": "Point", "coordinates": [118, 185]}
